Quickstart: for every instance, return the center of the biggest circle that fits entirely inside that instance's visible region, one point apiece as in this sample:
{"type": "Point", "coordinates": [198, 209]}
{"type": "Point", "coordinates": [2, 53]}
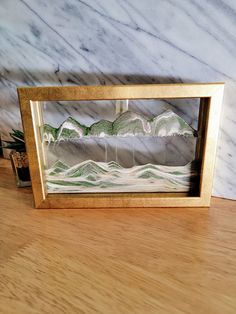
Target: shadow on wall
{"type": "Point", "coordinates": [58, 77]}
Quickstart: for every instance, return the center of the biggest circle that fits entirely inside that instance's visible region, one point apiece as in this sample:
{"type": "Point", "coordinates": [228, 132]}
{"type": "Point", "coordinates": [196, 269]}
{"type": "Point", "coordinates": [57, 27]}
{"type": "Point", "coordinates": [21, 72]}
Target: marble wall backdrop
{"type": "Point", "coordinates": [65, 42]}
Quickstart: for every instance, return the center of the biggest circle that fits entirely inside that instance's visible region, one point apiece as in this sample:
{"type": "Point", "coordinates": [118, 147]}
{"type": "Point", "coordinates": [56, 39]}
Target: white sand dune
{"type": "Point", "coordinates": [99, 177]}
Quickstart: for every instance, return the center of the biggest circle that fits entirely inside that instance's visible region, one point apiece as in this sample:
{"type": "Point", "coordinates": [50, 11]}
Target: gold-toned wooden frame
{"type": "Point", "coordinates": [210, 94]}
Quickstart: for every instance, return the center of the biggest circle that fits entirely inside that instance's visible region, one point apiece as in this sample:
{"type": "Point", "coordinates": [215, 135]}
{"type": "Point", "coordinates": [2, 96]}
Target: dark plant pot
{"type": "Point", "coordinates": [20, 166]}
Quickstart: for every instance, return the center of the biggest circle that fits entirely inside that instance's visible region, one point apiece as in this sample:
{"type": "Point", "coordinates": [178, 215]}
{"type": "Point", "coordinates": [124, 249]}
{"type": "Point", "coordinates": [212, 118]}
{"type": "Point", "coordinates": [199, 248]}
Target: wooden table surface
{"type": "Point", "coordinates": [114, 261]}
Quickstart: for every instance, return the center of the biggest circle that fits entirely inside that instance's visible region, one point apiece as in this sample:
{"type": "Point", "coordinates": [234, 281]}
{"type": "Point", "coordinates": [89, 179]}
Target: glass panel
{"type": "Point", "coordinates": [120, 146]}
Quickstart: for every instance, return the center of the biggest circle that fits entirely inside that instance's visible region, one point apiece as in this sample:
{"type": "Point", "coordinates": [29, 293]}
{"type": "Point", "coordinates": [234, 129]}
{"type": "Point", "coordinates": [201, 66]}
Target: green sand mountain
{"type": "Point", "coordinates": [168, 124]}
{"type": "Point", "coordinates": [131, 123]}
{"type": "Point", "coordinates": [49, 133]}
{"type": "Point", "coordinates": [69, 129]}
{"type": "Point", "coordinates": [112, 165]}
{"type": "Point", "coordinates": [127, 124]}
{"type": "Point", "coordinates": [85, 168]}
{"type": "Point", "coordinates": [101, 128]}
{"type": "Point", "coordinates": [58, 167]}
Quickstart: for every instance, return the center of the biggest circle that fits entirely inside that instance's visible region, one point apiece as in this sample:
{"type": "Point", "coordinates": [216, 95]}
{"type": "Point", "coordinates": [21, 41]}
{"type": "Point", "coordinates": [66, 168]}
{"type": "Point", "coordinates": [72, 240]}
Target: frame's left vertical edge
{"type": "Point", "coordinates": [34, 164]}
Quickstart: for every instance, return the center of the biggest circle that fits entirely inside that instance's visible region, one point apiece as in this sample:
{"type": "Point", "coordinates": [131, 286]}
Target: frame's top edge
{"type": "Point", "coordinates": [22, 88]}
{"type": "Point", "coordinates": [105, 92]}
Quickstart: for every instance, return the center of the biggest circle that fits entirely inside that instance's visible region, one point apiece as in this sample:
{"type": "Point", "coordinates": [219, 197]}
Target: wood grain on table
{"type": "Point", "coordinates": [114, 261]}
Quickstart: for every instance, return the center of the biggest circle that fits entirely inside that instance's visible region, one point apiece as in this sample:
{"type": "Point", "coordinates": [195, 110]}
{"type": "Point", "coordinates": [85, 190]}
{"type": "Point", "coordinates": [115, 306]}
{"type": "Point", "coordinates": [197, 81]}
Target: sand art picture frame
{"type": "Point", "coordinates": [66, 167]}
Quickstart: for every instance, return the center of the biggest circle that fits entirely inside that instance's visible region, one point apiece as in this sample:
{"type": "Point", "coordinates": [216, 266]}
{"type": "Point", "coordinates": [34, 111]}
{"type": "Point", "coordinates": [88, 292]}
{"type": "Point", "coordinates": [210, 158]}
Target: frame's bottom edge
{"type": "Point", "coordinates": [109, 204]}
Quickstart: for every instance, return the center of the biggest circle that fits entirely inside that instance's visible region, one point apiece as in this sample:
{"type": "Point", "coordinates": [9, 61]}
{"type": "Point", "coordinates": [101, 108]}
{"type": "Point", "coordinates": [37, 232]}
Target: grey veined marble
{"type": "Point", "coordinates": [70, 42]}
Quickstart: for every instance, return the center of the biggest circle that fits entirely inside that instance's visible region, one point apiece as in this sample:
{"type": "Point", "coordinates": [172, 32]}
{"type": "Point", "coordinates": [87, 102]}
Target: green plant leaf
{"type": "Point", "coordinates": [18, 133]}
{"type": "Point", "coordinates": [18, 144]}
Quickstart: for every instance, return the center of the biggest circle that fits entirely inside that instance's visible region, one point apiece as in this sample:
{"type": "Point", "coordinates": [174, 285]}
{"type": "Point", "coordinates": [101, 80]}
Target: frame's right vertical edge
{"type": "Point", "coordinates": [203, 116]}
{"type": "Point", "coordinates": [209, 150]}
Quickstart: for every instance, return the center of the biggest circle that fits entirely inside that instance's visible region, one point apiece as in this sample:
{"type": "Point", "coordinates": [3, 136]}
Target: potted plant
{"type": "Point", "coordinates": [19, 158]}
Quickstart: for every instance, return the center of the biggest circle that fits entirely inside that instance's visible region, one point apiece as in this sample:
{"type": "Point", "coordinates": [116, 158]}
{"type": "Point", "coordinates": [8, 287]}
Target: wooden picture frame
{"type": "Point", "coordinates": [210, 94]}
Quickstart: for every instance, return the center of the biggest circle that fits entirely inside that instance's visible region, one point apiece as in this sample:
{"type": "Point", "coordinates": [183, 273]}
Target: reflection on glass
{"type": "Point", "coordinates": [99, 147]}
